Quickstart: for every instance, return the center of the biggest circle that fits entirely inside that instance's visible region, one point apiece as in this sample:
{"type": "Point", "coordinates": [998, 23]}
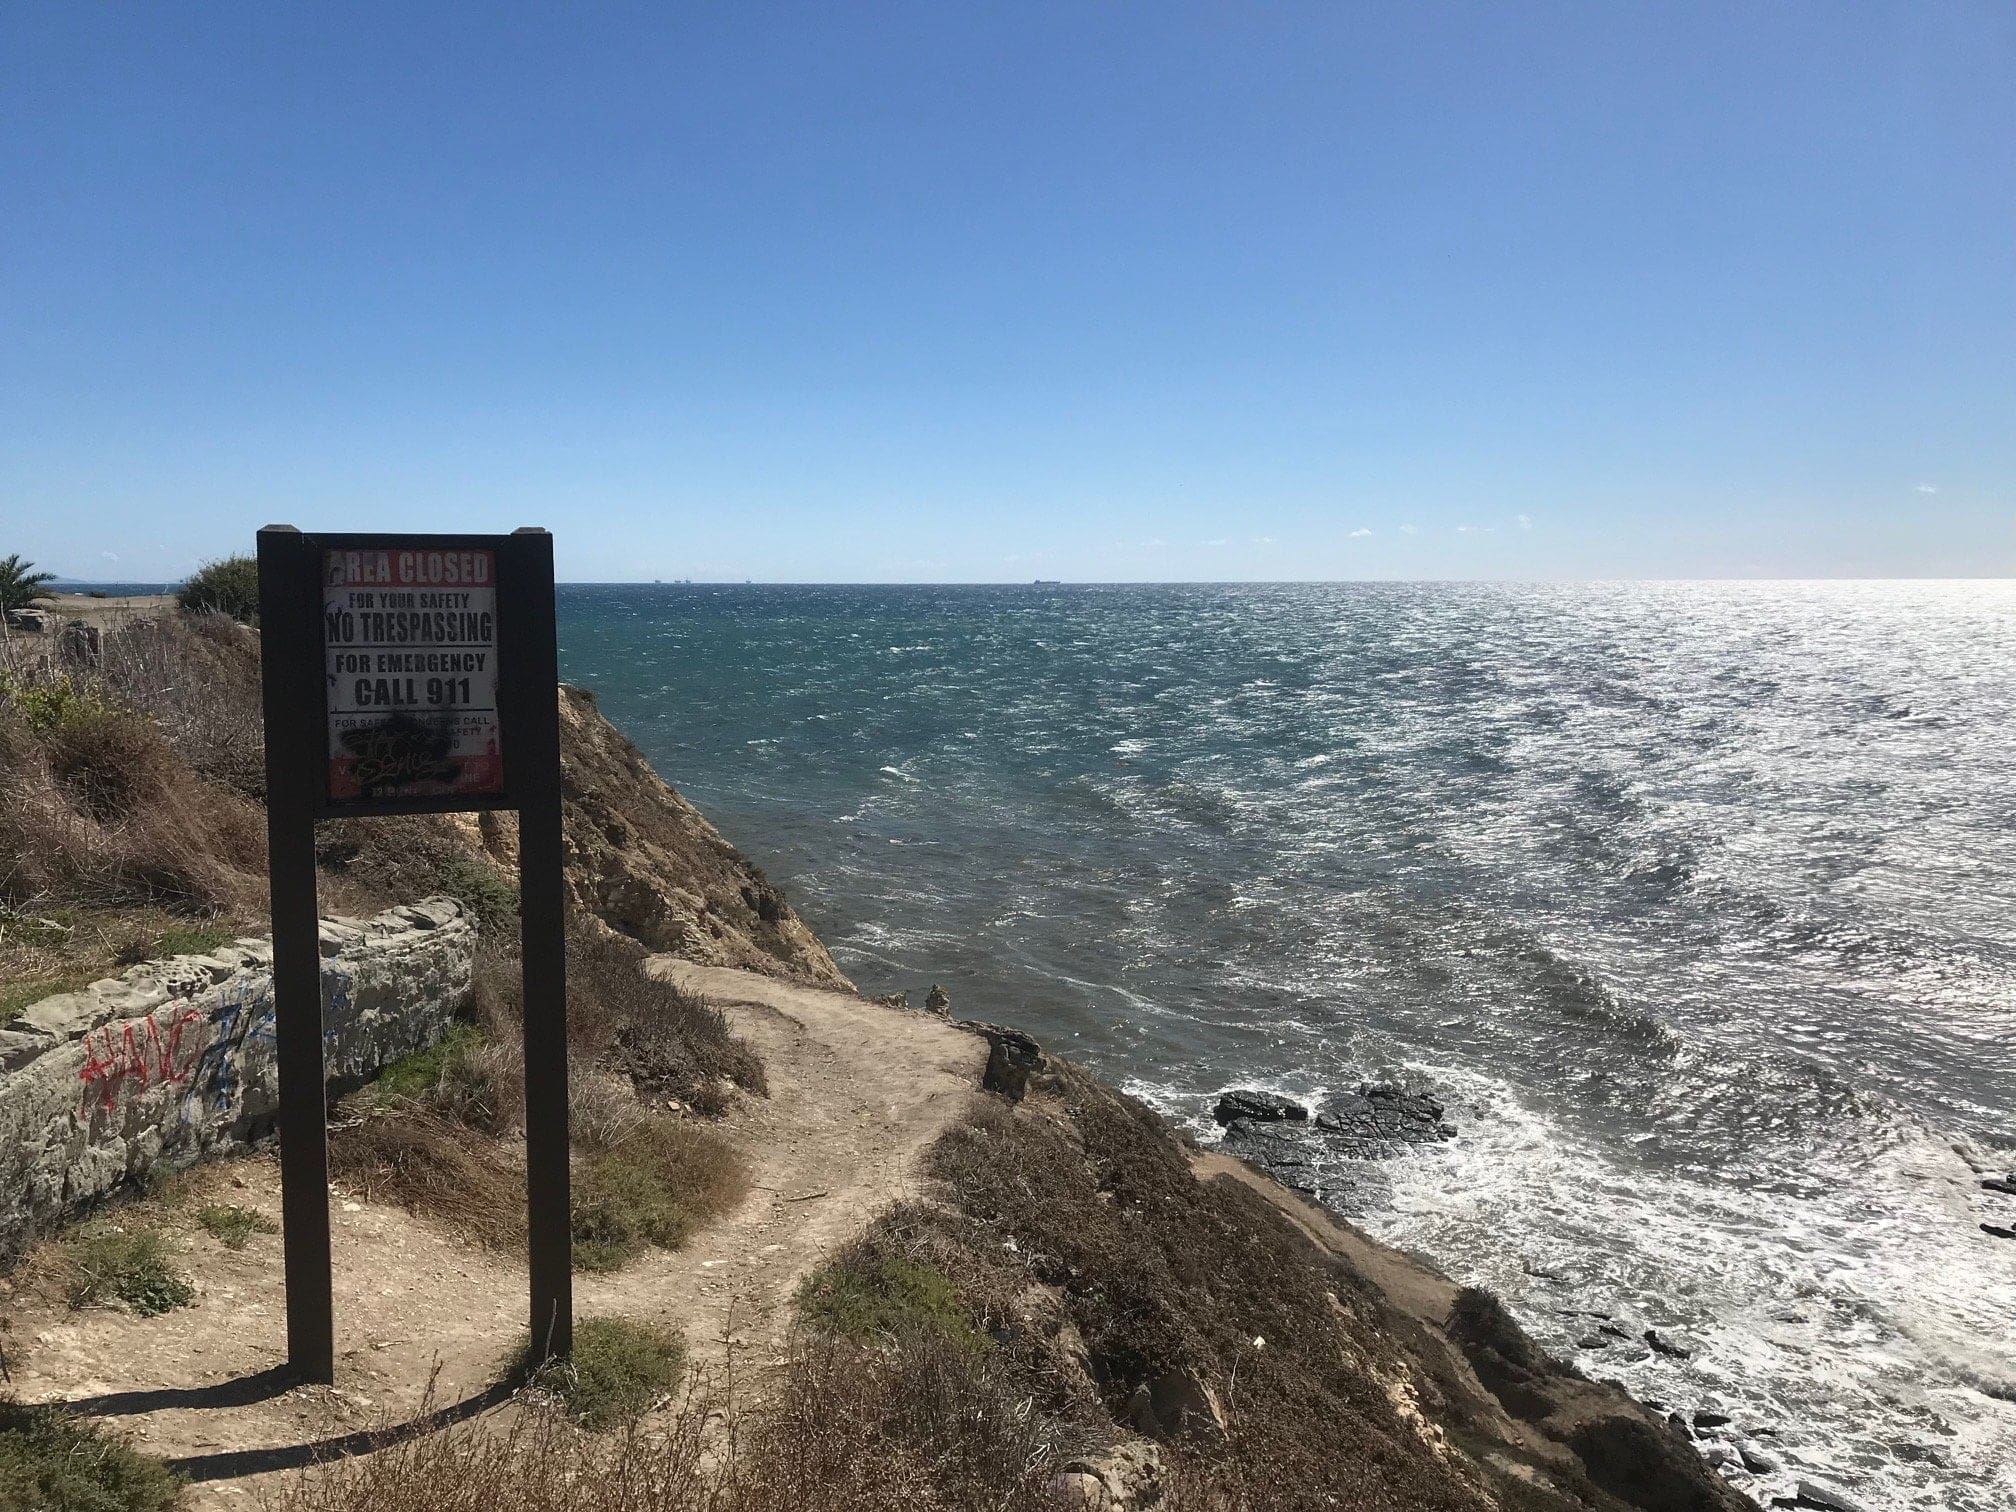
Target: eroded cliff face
{"type": "Point", "coordinates": [643, 862]}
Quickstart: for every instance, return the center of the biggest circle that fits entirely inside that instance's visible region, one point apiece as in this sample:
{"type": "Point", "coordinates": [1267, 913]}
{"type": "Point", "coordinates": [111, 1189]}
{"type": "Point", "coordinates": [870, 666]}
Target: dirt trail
{"type": "Point", "coordinates": [857, 1092]}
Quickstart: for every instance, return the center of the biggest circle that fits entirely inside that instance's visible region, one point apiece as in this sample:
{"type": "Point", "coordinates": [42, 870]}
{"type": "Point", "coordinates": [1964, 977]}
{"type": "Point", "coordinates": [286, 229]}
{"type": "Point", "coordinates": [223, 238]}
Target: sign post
{"type": "Point", "coordinates": [411, 674]}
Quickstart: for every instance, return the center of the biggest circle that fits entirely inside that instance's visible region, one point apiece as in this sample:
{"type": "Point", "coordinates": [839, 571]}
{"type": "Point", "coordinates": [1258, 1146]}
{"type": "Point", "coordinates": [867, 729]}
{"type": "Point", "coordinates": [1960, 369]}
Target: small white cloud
{"type": "Point", "coordinates": [110, 556]}
{"type": "Point", "coordinates": [1217, 541]}
{"type": "Point", "coordinates": [1263, 540]}
{"type": "Point", "coordinates": [1410, 530]}
{"type": "Point", "coordinates": [1360, 531]}
{"type": "Point", "coordinates": [1525, 521]}
{"type": "Point", "coordinates": [1925, 488]}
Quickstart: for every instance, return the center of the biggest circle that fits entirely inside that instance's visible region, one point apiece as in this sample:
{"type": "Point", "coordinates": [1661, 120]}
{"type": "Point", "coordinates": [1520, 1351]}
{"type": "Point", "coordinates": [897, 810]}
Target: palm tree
{"type": "Point", "coordinates": [20, 584]}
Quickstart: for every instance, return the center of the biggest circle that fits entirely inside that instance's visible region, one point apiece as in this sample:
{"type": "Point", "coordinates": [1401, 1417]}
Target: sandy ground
{"type": "Point", "coordinates": [106, 612]}
{"type": "Point", "coordinates": [857, 1092]}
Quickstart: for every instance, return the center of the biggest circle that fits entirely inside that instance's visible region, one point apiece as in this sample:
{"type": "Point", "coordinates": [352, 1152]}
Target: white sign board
{"type": "Point", "coordinates": [410, 641]}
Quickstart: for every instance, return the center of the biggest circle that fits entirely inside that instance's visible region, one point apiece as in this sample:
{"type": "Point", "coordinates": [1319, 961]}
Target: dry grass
{"type": "Point", "coordinates": [109, 836]}
{"type": "Point", "coordinates": [431, 1166]}
{"type": "Point", "coordinates": [666, 1042]}
{"type": "Point", "coordinates": [670, 1042]}
{"type": "Point", "coordinates": [533, 1461]}
{"type": "Point", "coordinates": [1169, 1283]}
{"type": "Point", "coordinates": [197, 678]}
{"type": "Point", "coordinates": [926, 1425]}
{"type": "Point", "coordinates": [97, 812]}
{"type": "Point", "coordinates": [844, 1430]}
{"type": "Point", "coordinates": [428, 1131]}
{"type": "Point", "coordinates": [655, 1182]}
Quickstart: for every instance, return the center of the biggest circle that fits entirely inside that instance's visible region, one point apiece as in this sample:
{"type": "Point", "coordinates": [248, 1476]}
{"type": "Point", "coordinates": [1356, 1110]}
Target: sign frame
{"type": "Point", "coordinates": [294, 659]}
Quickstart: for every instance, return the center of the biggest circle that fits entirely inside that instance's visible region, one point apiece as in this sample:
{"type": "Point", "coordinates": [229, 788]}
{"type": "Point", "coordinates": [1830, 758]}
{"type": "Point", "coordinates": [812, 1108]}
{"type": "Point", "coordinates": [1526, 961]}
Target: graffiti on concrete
{"type": "Point", "coordinates": [145, 1052]}
{"type": "Point", "coordinates": [244, 1016]}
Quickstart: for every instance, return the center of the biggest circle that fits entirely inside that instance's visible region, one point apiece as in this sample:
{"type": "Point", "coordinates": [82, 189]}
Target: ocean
{"type": "Point", "coordinates": [1695, 903]}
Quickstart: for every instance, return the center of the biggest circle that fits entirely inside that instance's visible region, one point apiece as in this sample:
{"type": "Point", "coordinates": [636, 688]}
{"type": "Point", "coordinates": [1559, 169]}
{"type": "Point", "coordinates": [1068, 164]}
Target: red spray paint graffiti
{"type": "Point", "coordinates": [144, 1054]}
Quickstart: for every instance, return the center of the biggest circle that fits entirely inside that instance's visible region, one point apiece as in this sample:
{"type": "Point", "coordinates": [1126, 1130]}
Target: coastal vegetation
{"type": "Point", "coordinates": [109, 1263]}
{"type": "Point", "coordinates": [49, 1459]}
{"type": "Point", "coordinates": [229, 586]}
{"type": "Point", "coordinates": [619, 1369]}
{"type": "Point", "coordinates": [21, 586]}
{"type": "Point", "coordinates": [232, 1224]}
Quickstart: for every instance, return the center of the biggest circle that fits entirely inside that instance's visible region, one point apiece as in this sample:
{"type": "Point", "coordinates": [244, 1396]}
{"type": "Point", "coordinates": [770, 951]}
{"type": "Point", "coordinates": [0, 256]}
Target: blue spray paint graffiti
{"type": "Point", "coordinates": [244, 1016]}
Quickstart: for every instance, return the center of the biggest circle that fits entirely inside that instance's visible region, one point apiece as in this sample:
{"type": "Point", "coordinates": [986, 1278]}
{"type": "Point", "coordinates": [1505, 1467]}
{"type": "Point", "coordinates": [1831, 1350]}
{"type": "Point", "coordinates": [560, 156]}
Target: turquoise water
{"type": "Point", "coordinates": [1696, 902]}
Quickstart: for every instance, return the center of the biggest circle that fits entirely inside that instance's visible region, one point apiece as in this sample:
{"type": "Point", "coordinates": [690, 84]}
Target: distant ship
{"type": "Point", "coordinates": [1049, 582]}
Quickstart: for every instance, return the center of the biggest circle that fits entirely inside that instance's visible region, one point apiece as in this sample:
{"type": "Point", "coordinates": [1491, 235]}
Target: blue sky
{"type": "Point", "coordinates": [990, 292]}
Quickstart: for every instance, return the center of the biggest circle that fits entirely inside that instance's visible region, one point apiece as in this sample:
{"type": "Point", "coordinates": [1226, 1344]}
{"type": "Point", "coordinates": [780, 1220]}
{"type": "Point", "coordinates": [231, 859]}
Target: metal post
{"type": "Point", "coordinates": [291, 664]}
{"type": "Point", "coordinates": [529, 668]}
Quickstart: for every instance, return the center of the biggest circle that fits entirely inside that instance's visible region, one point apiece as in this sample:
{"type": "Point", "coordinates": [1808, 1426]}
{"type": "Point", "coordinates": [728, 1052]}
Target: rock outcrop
{"type": "Point", "coordinates": [1335, 1155]}
{"type": "Point", "coordinates": [176, 1059]}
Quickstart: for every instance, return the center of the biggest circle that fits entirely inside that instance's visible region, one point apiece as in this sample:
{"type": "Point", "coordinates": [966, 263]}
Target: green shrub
{"type": "Point", "coordinates": [655, 1187]}
{"type": "Point", "coordinates": [132, 1266]}
{"type": "Point", "coordinates": [482, 889]}
{"type": "Point", "coordinates": [620, 1367]}
{"type": "Point", "coordinates": [231, 1225]}
{"type": "Point", "coordinates": [48, 703]}
{"type": "Point", "coordinates": [870, 1293]}
{"type": "Point", "coordinates": [229, 586]}
{"type": "Point", "coordinates": [413, 1077]}
{"type": "Point", "coordinates": [51, 1462]}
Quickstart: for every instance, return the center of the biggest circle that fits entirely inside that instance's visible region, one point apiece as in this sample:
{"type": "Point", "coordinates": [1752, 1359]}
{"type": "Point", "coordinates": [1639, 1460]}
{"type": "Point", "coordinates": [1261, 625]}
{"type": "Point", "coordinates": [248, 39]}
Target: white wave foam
{"type": "Point", "coordinates": [1868, 1325]}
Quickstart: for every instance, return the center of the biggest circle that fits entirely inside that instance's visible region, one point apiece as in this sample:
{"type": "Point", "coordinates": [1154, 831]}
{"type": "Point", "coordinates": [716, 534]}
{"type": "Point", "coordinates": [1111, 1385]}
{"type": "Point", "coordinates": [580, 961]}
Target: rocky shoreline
{"type": "Point", "coordinates": [1336, 1153]}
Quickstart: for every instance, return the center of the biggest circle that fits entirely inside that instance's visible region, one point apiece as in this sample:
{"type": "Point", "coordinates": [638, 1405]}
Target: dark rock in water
{"type": "Point", "coordinates": [1265, 1144]}
{"type": "Point", "coordinates": [1667, 1346]}
{"type": "Point", "coordinates": [1260, 1107]}
{"type": "Point", "coordinates": [1592, 1341]}
{"type": "Point", "coordinates": [1819, 1494]}
{"type": "Point", "coordinates": [1998, 1231]}
{"type": "Point", "coordinates": [1378, 1122]}
{"type": "Point", "coordinates": [1331, 1156]}
{"type": "Point", "coordinates": [1996, 1184]}
{"type": "Point", "coordinates": [1761, 1461]}
{"type": "Point", "coordinates": [1712, 1420]}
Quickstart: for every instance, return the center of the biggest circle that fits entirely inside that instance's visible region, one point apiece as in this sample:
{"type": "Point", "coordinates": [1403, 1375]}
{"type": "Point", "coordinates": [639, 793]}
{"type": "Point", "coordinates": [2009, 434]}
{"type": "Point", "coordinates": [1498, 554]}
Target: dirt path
{"type": "Point", "coordinates": [857, 1092]}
